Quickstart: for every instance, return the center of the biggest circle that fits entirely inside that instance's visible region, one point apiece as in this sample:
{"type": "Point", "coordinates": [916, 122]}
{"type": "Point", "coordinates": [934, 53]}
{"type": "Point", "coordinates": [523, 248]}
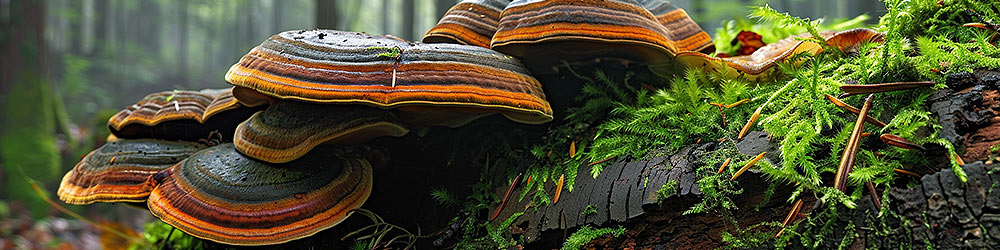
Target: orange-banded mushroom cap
{"type": "Point", "coordinates": [180, 115]}
{"type": "Point", "coordinates": [118, 171]}
{"type": "Point", "coordinates": [544, 33]}
{"type": "Point", "coordinates": [287, 130]}
{"type": "Point", "coordinates": [326, 66]}
{"type": "Point", "coordinates": [470, 22]}
{"type": "Point", "coordinates": [224, 196]}
{"type": "Point", "coordinates": [758, 64]}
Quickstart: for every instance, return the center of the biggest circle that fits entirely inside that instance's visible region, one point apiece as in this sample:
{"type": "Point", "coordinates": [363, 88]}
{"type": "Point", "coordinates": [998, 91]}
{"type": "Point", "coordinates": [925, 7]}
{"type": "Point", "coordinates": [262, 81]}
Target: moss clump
{"type": "Point", "coordinates": [587, 234]}
{"type": "Point", "coordinates": [668, 189]}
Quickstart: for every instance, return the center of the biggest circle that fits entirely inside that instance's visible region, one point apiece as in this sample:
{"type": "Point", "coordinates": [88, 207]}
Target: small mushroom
{"type": "Point", "coordinates": [470, 22]}
{"type": "Point", "coordinates": [442, 84]}
{"type": "Point", "coordinates": [544, 33]}
{"type": "Point", "coordinates": [119, 170]}
{"type": "Point", "coordinates": [169, 115]}
{"type": "Point", "coordinates": [287, 130]}
{"type": "Point", "coordinates": [758, 64]}
{"type": "Point", "coordinates": [180, 115]}
{"type": "Point", "coordinates": [221, 195]}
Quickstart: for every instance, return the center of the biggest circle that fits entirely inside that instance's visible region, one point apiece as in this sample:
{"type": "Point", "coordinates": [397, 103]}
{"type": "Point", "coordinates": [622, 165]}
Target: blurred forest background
{"type": "Point", "coordinates": [68, 65]}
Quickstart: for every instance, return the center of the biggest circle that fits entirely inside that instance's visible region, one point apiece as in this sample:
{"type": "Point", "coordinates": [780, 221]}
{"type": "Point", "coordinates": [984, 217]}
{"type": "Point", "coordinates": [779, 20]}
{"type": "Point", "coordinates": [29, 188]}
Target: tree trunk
{"type": "Point", "coordinates": [326, 14]}
{"type": "Point", "coordinates": [277, 8]}
{"type": "Point", "coordinates": [101, 15]}
{"type": "Point", "coordinates": [27, 127]}
{"type": "Point", "coordinates": [408, 20]}
{"type": "Point", "coordinates": [182, 41]}
{"type": "Point", "coordinates": [386, 22]}
{"type": "Point", "coordinates": [442, 6]}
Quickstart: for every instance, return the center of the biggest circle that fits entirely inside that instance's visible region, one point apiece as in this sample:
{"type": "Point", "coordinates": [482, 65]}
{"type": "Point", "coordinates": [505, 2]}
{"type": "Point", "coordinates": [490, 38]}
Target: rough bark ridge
{"type": "Point", "coordinates": [626, 192]}
{"type": "Point", "coordinates": [969, 112]}
{"type": "Point", "coordinates": [950, 214]}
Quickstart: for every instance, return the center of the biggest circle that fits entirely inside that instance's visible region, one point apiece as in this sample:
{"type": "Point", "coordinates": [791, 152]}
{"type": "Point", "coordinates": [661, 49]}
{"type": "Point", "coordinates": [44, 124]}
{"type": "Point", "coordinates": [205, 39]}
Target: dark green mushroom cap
{"type": "Point", "coordinates": [118, 171]}
{"type": "Point", "coordinates": [224, 196]}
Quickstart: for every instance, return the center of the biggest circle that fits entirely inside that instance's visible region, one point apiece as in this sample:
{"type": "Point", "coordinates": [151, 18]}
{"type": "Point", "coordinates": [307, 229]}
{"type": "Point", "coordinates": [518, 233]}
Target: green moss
{"type": "Point", "coordinates": [668, 189]}
{"type": "Point", "coordinates": [28, 148]}
{"type": "Point", "coordinates": [158, 233]}
{"type": "Point", "coordinates": [589, 210]}
{"type": "Point", "coordinates": [586, 234]}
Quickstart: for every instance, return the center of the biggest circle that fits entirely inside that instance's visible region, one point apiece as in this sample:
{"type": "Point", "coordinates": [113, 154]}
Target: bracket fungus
{"type": "Point", "coordinates": [282, 133]}
{"type": "Point", "coordinates": [119, 170]}
{"type": "Point", "coordinates": [441, 84]}
{"type": "Point", "coordinates": [224, 196]}
{"type": "Point", "coordinates": [544, 33]}
{"type": "Point", "coordinates": [470, 22]}
{"type": "Point", "coordinates": [180, 115]}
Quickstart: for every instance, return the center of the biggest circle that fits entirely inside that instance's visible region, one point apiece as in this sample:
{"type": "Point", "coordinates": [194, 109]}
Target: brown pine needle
{"type": "Point", "coordinates": [958, 159]}
{"type": "Point", "coordinates": [559, 188]}
{"type": "Point", "coordinates": [900, 142]}
{"type": "Point", "coordinates": [572, 149]}
{"type": "Point", "coordinates": [745, 167]}
{"type": "Point", "coordinates": [506, 197]}
{"type": "Point", "coordinates": [875, 199]}
{"type": "Point", "coordinates": [753, 119]}
{"type": "Point", "coordinates": [900, 171]}
{"type": "Point", "coordinates": [851, 149]}
{"type": "Point", "coordinates": [717, 104]}
{"type": "Point", "coordinates": [883, 87]}
{"type": "Point", "coordinates": [733, 105]}
{"type": "Point", "coordinates": [792, 214]}
{"type": "Point", "coordinates": [779, 232]}
{"type": "Point", "coordinates": [854, 110]}
{"type": "Point", "coordinates": [723, 115]}
{"type": "Point", "coordinates": [724, 164]}
{"type": "Point", "coordinates": [601, 161]}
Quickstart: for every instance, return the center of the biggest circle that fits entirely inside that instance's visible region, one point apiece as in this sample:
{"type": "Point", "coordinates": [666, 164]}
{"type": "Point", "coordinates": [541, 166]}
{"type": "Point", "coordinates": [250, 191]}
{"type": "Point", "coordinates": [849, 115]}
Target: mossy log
{"type": "Point", "coordinates": [941, 211]}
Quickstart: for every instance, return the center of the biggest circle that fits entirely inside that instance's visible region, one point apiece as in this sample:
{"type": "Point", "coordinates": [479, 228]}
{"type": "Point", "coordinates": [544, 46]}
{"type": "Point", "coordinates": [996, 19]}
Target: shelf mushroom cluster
{"type": "Point", "coordinates": [276, 157]}
{"type": "Point", "coordinates": [653, 32]}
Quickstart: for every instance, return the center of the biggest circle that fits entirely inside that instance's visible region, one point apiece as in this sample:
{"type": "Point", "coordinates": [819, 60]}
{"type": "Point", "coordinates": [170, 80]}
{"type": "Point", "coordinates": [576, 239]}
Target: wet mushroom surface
{"type": "Point", "coordinates": [437, 84]}
{"type": "Point", "coordinates": [470, 22]}
{"type": "Point", "coordinates": [119, 170]}
{"type": "Point", "coordinates": [544, 33]}
{"type": "Point", "coordinates": [224, 196]}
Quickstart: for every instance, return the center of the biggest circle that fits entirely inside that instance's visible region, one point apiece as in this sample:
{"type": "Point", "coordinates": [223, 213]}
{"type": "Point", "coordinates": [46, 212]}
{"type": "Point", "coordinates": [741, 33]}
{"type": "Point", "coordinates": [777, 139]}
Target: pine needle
{"type": "Point", "coordinates": [745, 167]}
